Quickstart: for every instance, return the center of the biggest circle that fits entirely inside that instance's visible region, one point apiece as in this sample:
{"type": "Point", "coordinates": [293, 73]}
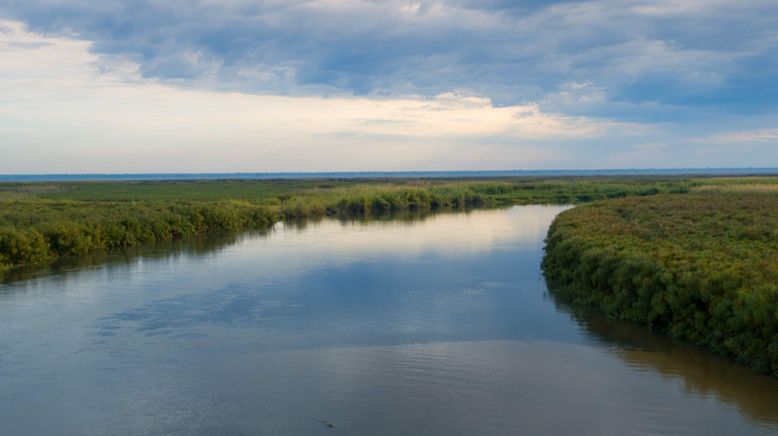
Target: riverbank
{"type": "Point", "coordinates": [693, 258]}
{"type": "Point", "coordinates": [449, 306]}
{"type": "Point", "coordinates": [702, 267]}
{"type": "Point", "coordinates": [41, 222]}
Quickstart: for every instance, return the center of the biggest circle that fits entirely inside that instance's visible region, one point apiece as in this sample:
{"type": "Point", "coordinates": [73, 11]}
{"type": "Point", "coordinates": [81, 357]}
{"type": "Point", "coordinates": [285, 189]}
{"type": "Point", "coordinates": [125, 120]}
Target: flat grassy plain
{"type": "Point", "coordinates": [41, 222]}
{"type": "Point", "coordinates": [737, 184]}
{"type": "Point", "coordinates": [702, 266]}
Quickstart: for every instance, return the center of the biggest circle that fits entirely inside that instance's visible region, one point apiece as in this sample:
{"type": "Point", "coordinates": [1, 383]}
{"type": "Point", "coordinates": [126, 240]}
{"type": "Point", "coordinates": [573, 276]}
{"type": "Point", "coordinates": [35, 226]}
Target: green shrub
{"type": "Point", "coordinates": [702, 267]}
{"type": "Point", "coordinates": [19, 246]}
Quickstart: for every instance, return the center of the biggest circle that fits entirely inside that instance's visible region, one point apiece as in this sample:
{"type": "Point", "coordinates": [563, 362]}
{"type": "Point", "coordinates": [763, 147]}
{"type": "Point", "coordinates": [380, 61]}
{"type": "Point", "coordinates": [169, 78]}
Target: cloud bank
{"type": "Point", "coordinates": [358, 84]}
{"type": "Point", "coordinates": [673, 52]}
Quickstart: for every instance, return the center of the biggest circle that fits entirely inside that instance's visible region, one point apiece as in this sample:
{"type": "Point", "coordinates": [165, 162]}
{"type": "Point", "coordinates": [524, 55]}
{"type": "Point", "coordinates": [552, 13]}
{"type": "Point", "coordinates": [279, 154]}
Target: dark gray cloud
{"type": "Point", "coordinates": [647, 59]}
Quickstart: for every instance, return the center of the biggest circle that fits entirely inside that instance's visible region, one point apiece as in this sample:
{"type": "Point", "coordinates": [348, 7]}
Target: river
{"type": "Point", "coordinates": [440, 326]}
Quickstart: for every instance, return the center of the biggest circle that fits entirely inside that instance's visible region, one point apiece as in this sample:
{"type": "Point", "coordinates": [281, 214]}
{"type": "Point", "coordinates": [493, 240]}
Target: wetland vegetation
{"type": "Point", "coordinates": [702, 267]}
{"type": "Point", "coordinates": [693, 258]}
{"type": "Point", "coordinates": [452, 306]}
{"type": "Point", "coordinates": [40, 222]}
{"type": "Point", "coordinates": [362, 324]}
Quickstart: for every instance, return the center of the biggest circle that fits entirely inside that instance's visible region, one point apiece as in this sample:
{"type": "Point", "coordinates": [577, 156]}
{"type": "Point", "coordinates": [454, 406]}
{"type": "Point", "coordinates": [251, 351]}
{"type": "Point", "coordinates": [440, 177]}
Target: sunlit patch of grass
{"type": "Point", "coordinates": [740, 187]}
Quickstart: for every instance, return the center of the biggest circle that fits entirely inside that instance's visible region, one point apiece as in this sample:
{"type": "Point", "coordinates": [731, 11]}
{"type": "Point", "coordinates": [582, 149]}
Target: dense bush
{"type": "Point", "coordinates": [702, 267]}
{"type": "Point", "coordinates": [19, 246]}
{"type": "Point", "coordinates": [46, 230]}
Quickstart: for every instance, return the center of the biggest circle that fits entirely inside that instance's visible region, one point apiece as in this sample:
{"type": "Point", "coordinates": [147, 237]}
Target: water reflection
{"type": "Point", "coordinates": [702, 373]}
{"type": "Point", "coordinates": [401, 233]}
{"type": "Point", "coordinates": [118, 259]}
{"type": "Point", "coordinates": [445, 233]}
{"type": "Point", "coordinates": [434, 326]}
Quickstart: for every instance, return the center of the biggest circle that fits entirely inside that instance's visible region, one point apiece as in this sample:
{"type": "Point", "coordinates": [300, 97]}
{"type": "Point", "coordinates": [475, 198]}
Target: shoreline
{"type": "Point", "coordinates": [699, 268]}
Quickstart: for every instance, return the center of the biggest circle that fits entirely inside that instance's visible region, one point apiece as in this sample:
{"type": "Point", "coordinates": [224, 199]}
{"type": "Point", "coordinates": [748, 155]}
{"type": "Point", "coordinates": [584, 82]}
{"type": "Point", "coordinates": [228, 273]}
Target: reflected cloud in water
{"type": "Point", "coordinates": [441, 325]}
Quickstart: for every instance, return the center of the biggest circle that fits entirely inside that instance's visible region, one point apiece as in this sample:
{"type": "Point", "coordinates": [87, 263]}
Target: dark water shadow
{"type": "Point", "coordinates": [701, 372]}
{"type": "Point", "coordinates": [113, 259]}
{"type": "Point", "coordinates": [407, 216]}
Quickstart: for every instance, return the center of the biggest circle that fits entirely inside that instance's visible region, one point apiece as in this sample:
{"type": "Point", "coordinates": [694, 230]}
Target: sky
{"type": "Point", "coordinates": [116, 86]}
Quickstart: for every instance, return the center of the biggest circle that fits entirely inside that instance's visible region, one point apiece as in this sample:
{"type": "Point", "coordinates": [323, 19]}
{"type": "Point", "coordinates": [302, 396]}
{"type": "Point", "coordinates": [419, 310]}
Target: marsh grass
{"type": "Point", "coordinates": [740, 187]}
{"type": "Point", "coordinates": [40, 222]}
{"type": "Point", "coordinates": [702, 267]}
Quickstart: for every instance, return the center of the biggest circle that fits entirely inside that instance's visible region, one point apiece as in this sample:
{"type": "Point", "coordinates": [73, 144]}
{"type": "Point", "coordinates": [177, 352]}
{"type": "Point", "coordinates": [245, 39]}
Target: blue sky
{"type": "Point", "coordinates": [213, 85]}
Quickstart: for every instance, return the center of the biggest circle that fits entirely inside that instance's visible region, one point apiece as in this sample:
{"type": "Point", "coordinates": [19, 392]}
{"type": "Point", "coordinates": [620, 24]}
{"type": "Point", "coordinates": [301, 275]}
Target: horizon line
{"type": "Point", "coordinates": [393, 173]}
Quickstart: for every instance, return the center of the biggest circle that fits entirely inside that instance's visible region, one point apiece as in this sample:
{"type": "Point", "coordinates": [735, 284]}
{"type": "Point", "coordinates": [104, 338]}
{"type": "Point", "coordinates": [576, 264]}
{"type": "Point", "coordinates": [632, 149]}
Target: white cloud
{"type": "Point", "coordinates": [668, 51]}
{"type": "Point", "coordinates": [365, 85]}
{"type": "Point", "coordinates": [64, 109]}
{"type": "Point", "coordinates": [759, 135]}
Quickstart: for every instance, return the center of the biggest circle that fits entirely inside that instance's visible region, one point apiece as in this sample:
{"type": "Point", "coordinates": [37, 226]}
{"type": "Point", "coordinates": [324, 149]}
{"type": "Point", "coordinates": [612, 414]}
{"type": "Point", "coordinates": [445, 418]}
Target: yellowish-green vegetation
{"type": "Point", "coordinates": [40, 222]}
{"type": "Point", "coordinates": [738, 184]}
{"type": "Point", "coordinates": [701, 266]}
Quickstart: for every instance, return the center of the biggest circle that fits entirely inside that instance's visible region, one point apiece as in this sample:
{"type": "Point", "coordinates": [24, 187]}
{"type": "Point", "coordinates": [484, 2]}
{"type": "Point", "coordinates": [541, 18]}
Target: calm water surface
{"type": "Point", "coordinates": [438, 326]}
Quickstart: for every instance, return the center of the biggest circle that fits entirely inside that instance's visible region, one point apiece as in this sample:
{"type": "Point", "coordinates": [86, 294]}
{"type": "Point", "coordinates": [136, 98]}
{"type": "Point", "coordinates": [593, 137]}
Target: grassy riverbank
{"type": "Point", "coordinates": [40, 222]}
{"type": "Point", "coordinates": [696, 258]}
{"type": "Point", "coordinates": [702, 266]}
